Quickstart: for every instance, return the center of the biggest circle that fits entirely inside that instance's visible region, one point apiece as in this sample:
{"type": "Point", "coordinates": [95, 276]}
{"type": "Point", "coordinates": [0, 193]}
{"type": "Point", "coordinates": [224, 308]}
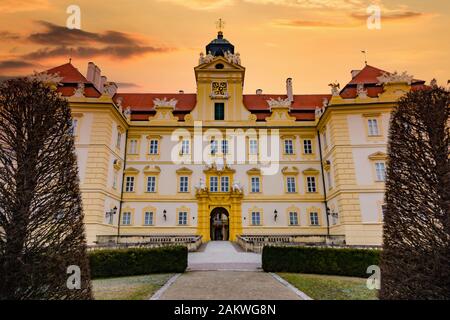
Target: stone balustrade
{"type": "Point", "coordinates": [193, 242]}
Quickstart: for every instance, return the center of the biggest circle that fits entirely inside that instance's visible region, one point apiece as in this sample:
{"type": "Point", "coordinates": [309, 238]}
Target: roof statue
{"type": "Point", "coordinates": [79, 91]}
{"type": "Point", "coordinates": [334, 88]}
{"type": "Point", "coordinates": [361, 92]}
{"type": "Point", "coordinates": [165, 103]}
{"type": "Point", "coordinates": [279, 102]}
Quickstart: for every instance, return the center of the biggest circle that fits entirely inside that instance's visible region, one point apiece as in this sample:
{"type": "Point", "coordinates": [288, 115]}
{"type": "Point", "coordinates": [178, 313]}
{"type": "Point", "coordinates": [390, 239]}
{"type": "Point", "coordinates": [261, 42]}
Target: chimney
{"type": "Point", "coordinates": [90, 72]}
{"type": "Point", "coordinates": [97, 77]}
{"type": "Point", "coordinates": [289, 92]}
{"type": "Point", "coordinates": [259, 91]}
{"type": "Point", "coordinates": [355, 73]}
{"type": "Point", "coordinates": [103, 81]}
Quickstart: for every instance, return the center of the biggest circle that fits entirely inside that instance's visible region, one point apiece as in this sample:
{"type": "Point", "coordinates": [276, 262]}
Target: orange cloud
{"type": "Point", "coordinates": [11, 6]}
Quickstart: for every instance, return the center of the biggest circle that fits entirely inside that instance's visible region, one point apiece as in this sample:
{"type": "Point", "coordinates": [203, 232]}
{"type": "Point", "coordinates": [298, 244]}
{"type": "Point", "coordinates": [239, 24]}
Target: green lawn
{"type": "Point", "coordinates": [128, 288]}
{"type": "Point", "coordinates": [324, 287]}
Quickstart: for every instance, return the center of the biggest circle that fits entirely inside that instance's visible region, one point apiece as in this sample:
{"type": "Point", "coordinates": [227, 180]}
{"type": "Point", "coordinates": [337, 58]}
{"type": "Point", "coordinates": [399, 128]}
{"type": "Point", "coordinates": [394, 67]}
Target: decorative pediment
{"type": "Point", "coordinates": [290, 171]}
{"type": "Point", "coordinates": [184, 170]}
{"type": "Point", "coordinates": [310, 172]}
{"type": "Point", "coordinates": [210, 63]}
{"type": "Point", "coordinates": [395, 77]}
{"type": "Point", "coordinates": [280, 111]}
{"type": "Point", "coordinates": [131, 170]}
{"type": "Point", "coordinates": [152, 169]}
{"type": "Point", "coordinates": [213, 169]}
{"type": "Point", "coordinates": [254, 171]}
{"type": "Point", "coordinates": [164, 111]}
{"type": "Point", "coordinates": [378, 156]}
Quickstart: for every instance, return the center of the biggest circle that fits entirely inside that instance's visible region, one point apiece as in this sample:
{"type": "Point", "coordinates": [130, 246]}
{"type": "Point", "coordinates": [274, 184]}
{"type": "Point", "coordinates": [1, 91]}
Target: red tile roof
{"type": "Point", "coordinates": [144, 101]}
{"type": "Point", "coordinates": [369, 77]}
{"type": "Point", "coordinates": [255, 102]}
{"type": "Point", "coordinates": [71, 77]}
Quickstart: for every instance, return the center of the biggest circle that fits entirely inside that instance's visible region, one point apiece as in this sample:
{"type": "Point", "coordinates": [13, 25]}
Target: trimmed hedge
{"type": "Point", "coordinates": [137, 261]}
{"type": "Point", "coordinates": [332, 261]}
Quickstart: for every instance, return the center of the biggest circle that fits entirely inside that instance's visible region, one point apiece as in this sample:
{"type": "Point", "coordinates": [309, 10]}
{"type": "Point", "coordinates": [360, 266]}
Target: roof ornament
{"type": "Point", "coordinates": [335, 86]}
{"type": "Point", "coordinates": [279, 102]}
{"type": "Point", "coordinates": [395, 77]}
{"type": "Point", "coordinates": [165, 103]}
{"type": "Point", "coordinates": [361, 92]}
{"type": "Point", "coordinates": [127, 113]}
{"type": "Point", "coordinates": [233, 58]}
{"type": "Point", "coordinates": [205, 59]}
{"type": "Point", "coordinates": [79, 91]}
{"type": "Point", "coordinates": [220, 24]}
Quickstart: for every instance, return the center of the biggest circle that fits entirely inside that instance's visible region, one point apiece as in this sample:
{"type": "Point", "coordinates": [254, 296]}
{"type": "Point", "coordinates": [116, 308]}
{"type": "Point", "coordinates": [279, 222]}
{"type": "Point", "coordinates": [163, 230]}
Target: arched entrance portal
{"type": "Point", "coordinates": [219, 225]}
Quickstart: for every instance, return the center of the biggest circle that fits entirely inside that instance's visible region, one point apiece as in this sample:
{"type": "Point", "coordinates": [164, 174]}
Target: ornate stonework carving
{"type": "Point", "coordinates": [201, 186]}
{"type": "Point", "coordinates": [127, 113]}
{"type": "Point", "coordinates": [395, 77]}
{"type": "Point", "coordinates": [335, 86]}
{"type": "Point", "coordinates": [79, 91]}
{"type": "Point", "coordinates": [205, 58]}
{"type": "Point", "coordinates": [237, 187]}
{"type": "Point", "coordinates": [279, 102]}
{"type": "Point", "coordinates": [233, 58]}
{"type": "Point", "coordinates": [165, 103]}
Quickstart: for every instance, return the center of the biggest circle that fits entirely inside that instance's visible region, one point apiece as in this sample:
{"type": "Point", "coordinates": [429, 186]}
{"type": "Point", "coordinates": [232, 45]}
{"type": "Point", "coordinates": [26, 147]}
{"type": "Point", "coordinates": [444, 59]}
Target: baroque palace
{"type": "Point", "coordinates": [224, 165]}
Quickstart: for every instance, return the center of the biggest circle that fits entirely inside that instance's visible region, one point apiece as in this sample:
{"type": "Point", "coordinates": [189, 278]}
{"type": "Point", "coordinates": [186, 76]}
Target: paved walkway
{"type": "Point", "coordinates": [222, 255]}
{"type": "Point", "coordinates": [220, 271]}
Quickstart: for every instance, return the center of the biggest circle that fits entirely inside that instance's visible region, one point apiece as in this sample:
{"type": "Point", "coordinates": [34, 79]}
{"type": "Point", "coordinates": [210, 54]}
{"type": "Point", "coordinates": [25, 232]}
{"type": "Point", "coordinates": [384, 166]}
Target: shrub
{"type": "Point", "coordinates": [137, 261]}
{"type": "Point", "coordinates": [333, 261]}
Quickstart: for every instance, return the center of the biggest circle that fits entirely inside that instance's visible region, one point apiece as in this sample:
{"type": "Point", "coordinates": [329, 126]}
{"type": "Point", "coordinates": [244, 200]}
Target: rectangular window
{"type": "Point", "coordinates": [185, 147]}
{"type": "Point", "coordinates": [153, 146]}
{"type": "Point", "coordinates": [288, 147]}
{"type": "Point", "coordinates": [133, 146]}
{"type": "Point", "coordinates": [126, 218]}
{"type": "Point", "coordinates": [184, 184]}
{"type": "Point", "coordinates": [224, 184]}
{"type": "Point", "coordinates": [129, 184]}
{"type": "Point", "coordinates": [182, 218]}
{"type": "Point", "coordinates": [255, 184]}
{"type": "Point", "coordinates": [224, 146]}
{"type": "Point", "coordinates": [293, 218]}
{"type": "Point", "coordinates": [307, 146]}
{"type": "Point", "coordinates": [213, 184]}
{"type": "Point", "coordinates": [119, 140]}
{"type": "Point", "coordinates": [290, 181]}
{"type": "Point", "coordinates": [311, 184]}
{"type": "Point", "coordinates": [219, 111]}
{"type": "Point", "coordinates": [373, 127]}
{"type": "Point", "coordinates": [380, 170]}
{"type": "Point", "coordinates": [213, 146]}
{"type": "Point", "coordinates": [148, 218]}
{"type": "Point", "coordinates": [256, 218]}
{"type": "Point", "coordinates": [151, 184]}
{"type": "Point", "coordinates": [253, 148]}
{"type": "Point", "coordinates": [314, 218]}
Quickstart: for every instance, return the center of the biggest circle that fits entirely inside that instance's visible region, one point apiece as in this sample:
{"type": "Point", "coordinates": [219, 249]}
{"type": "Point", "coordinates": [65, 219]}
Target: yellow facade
{"type": "Point", "coordinates": [127, 165]}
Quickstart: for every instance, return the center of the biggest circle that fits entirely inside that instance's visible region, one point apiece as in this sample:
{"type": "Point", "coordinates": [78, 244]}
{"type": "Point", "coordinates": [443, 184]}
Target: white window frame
{"type": "Point", "coordinates": [253, 147]}
{"type": "Point", "coordinates": [225, 146]}
{"type": "Point", "coordinates": [288, 146]}
{"type": "Point", "coordinates": [224, 184]}
{"type": "Point", "coordinates": [307, 146]}
{"type": "Point", "coordinates": [153, 147]}
{"type": "Point", "coordinates": [182, 218]}
{"type": "Point", "coordinates": [314, 218]}
{"type": "Point", "coordinates": [126, 218]}
{"type": "Point", "coordinates": [214, 184]}
{"type": "Point", "coordinates": [184, 184]}
{"type": "Point", "coordinates": [256, 218]}
{"type": "Point", "coordinates": [129, 183]}
{"type": "Point", "coordinates": [148, 218]}
{"type": "Point", "coordinates": [255, 184]}
{"type": "Point", "coordinates": [151, 184]}
{"type": "Point", "coordinates": [133, 146]}
{"type": "Point", "coordinates": [380, 171]}
{"type": "Point", "coordinates": [373, 129]}
{"type": "Point", "coordinates": [185, 147]}
{"type": "Point", "coordinates": [291, 185]}
{"type": "Point", "coordinates": [311, 184]}
{"type": "Point", "coordinates": [214, 147]}
{"type": "Point", "coordinates": [293, 215]}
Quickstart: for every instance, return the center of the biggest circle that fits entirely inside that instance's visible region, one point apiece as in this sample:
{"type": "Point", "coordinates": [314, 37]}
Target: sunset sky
{"type": "Point", "coordinates": [152, 46]}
